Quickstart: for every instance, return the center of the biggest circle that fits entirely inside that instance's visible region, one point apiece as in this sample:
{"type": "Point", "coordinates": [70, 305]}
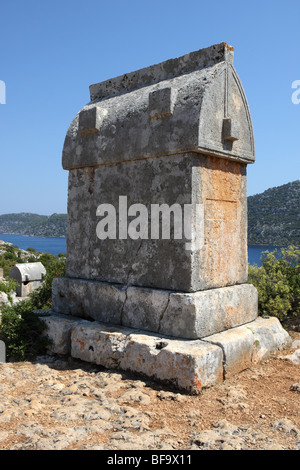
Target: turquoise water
{"type": "Point", "coordinates": [57, 245]}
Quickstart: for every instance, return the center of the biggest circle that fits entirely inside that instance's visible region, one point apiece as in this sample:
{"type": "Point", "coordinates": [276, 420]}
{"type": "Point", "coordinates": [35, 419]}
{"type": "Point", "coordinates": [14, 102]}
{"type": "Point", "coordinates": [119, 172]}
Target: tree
{"type": "Point", "coordinates": [278, 282]}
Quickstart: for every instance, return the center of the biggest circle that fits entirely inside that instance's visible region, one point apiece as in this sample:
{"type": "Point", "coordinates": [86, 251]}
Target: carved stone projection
{"type": "Point", "coordinates": [157, 205]}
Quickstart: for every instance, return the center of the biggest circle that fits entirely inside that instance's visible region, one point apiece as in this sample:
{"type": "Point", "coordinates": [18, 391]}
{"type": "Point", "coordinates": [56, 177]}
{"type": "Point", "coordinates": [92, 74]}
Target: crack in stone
{"type": "Point", "coordinates": [223, 353]}
{"type": "Point", "coordinates": [163, 312]}
{"type": "Point", "coordinates": [123, 306]}
{"type": "Point", "coordinates": [131, 267]}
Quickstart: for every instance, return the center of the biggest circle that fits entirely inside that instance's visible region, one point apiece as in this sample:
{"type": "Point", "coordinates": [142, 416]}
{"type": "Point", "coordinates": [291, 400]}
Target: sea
{"type": "Point", "coordinates": [53, 245]}
{"type": "Point", "coordinates": [56, 245]}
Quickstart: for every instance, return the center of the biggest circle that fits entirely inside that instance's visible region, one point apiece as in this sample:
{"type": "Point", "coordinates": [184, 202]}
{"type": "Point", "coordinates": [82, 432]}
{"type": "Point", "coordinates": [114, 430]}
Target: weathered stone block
{"type": "Point", "coordinates": [144, 308]}
{"type": "Point", "coordinates": [269, 337]}
{"type": "Point", "coordinates": [187, 365]}
{"type": "Point", "coordinates": [99, 344]}
{"type": "Point", "coordinates": [59, 328]}
{"type": "Point", "coordinates": [215, 188]}
{"type": "Point", "coordinates": [250, 343]}
{"type": "Point", "coordinates": [200, 314]}
{"type": "Point", "coordinates": [88, 299]}
{"type": "Point", "coordinates": [237, 346]}
{"type": "Point", "coordinates": [178, 314]}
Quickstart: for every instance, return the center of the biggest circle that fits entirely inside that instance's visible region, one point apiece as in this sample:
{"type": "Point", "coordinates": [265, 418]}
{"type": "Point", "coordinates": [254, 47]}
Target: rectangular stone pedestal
{"type": "Point", "coordinates": [180, 314]}
{"type": "Point", "coordinates": [189, 365]}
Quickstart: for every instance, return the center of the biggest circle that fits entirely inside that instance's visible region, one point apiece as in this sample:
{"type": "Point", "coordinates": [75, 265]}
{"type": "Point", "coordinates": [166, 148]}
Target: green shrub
{"type": "Point", "coordinates": [20, 327]}
{"type": "Point", "coordinates": [278, 282]}
{"type": "Point", "coordinates": [9, 255]}
{"type": "Point", "coordinates": [21, 330]}
{"type": "Point", "coordinates": [31, 250]}
{"type": "Point", "coordinates": [8, 287]}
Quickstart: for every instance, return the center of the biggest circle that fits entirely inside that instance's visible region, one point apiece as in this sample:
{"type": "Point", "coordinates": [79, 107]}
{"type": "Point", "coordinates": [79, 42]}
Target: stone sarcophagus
{"type": "Point", "coordinates": [29, 276]}
{"type": "Point", "coordinates": [157, 209]}
{"type": "Point", "coordinates": [157, 203]}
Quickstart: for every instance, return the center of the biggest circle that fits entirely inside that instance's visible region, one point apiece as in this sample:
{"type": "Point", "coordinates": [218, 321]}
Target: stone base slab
{"type": "Point", "coordinates": [189, 365]}
{"type": "Point", "coordinates": [182, 315]}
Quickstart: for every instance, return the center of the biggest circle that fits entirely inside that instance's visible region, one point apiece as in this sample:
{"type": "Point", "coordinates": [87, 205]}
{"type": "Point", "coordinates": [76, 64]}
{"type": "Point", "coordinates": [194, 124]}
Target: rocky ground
{"type": "Point", "coordinates": [53, 403]}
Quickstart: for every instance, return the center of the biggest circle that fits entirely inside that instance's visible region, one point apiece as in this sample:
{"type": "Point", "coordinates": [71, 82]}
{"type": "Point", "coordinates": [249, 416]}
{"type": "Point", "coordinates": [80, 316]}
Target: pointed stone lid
{"type": "Point", "coordinates": [195, 103]}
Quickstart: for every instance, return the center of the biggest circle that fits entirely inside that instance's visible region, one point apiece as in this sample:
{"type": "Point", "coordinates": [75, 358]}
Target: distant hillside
{"type": "Point", "coordinates": [273, 219]}
{"type": "Point", "coordinates": [25, 223]}
{"type": "Point", "coordinates": [274, 216]}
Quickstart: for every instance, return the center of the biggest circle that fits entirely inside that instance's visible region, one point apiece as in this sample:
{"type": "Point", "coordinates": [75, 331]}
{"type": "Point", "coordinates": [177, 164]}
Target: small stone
{"type": "Point", "coordinates": [295, 387]}
{"type": "Point", "coordinates": [294, 358]}
{"type": "Point", "coordinates": [170, 396]}
{"type": "Point", "coordinates": [287, 426]}
{"type": "Point", "coordinates": [134, 396]}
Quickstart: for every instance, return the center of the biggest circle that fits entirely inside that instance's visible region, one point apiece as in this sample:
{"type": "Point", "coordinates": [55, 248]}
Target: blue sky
{"type": "Point", "coordinates": [52, 51]}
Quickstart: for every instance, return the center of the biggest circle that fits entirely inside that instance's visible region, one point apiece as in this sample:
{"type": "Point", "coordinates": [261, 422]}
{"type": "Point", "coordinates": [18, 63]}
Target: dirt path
{"type": "Point", "coordinates": [57, 404]}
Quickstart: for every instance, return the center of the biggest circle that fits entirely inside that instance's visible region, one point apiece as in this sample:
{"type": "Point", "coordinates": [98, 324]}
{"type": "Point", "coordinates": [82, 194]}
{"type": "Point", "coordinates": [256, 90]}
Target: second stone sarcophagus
{"type": "Point", "coordinates": [157, 203]}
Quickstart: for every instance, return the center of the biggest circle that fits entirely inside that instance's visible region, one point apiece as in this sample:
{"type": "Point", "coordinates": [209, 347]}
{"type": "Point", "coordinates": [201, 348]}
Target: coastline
{"type": "Point", "coordinates": [56, 245]}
